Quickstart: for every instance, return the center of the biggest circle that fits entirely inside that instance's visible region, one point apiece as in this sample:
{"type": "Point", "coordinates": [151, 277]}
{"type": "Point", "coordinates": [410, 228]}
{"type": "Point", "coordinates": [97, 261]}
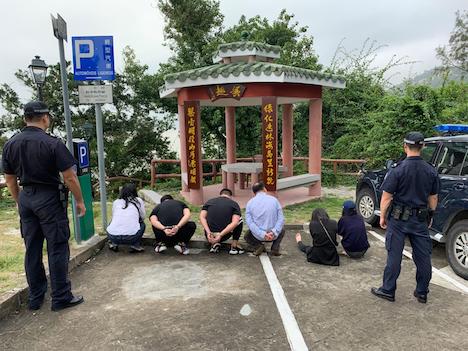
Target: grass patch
{"type": "Point", "coordinates": [300, 213]}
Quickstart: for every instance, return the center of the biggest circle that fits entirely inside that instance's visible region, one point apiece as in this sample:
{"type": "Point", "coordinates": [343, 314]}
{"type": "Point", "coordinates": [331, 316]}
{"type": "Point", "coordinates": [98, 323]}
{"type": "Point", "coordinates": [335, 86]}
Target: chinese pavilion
{"type": "Point", "coordinates": [244, 74]}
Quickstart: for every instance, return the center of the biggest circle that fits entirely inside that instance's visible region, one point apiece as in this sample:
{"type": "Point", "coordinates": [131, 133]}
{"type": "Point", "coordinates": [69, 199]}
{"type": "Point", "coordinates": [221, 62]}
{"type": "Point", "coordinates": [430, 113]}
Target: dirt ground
{"type": "Point", "coordinates": [222, 302]}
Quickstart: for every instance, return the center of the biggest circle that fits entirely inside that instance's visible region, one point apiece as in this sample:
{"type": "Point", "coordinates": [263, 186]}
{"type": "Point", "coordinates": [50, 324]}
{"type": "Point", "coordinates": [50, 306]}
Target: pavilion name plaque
{"type": "Point", "coordinates": [222, 91]}
{"type": "Point", "coordinates": [192, 128]}
{"type": "Point", "coordinates": [270, 142]}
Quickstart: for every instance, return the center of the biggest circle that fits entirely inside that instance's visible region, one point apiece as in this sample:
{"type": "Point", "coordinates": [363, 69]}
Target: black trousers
{"type": "Point", "coordinates": [44, 217]}
{"type": "Point", "coordinates": [183, 235]}
{"type": "Point", "coordinates": [236, 234]}
{"type": "Point", "coordinates": [251, 240]}
{"type": "Point", "coordinates": [134, 239]}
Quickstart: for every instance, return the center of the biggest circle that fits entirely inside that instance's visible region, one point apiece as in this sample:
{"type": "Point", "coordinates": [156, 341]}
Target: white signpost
{"type": "Point", "coordinates": [95, 94]}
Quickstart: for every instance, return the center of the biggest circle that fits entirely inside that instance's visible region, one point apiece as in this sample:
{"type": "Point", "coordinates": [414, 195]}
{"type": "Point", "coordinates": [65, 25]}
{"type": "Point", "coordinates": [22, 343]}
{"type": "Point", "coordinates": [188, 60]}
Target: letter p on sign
{"type": "Point", "coordinates": [84, 48]}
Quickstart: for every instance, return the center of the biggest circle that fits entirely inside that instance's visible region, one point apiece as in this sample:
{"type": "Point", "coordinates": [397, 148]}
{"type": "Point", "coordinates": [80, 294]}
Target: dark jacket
{"type": "Point", "coordinates": [353, 231]}
{"type": "Point", "coordinates": [322, 251]}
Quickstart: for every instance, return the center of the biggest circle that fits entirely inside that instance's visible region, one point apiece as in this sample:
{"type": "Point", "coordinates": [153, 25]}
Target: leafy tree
{"type": "Point", "coordinates": [191, 29]}
{"type": "Point", "coordinates": [133, 126]}
{"type": "Point", "coordinates": [456, 55]}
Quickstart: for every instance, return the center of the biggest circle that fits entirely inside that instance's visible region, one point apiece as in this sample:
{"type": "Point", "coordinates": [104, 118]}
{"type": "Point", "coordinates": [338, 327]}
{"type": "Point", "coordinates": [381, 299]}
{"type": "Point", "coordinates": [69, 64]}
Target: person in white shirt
{"type": "Point", "coordinates": [127, 225]}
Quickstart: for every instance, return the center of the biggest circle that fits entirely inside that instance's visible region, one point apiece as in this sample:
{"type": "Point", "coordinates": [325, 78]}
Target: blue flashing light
{"type": "Point", "coordinates": [452, 128]}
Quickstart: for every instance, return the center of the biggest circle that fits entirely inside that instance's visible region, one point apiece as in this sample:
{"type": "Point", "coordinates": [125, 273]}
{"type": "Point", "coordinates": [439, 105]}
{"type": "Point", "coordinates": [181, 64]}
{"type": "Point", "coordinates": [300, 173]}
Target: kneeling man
{"type": "Point", "coordinates": [171, 226]}
{"type": "Point", "coordinates": [221, 219]}
{"type": "Point", "coordinates": [265, 219]}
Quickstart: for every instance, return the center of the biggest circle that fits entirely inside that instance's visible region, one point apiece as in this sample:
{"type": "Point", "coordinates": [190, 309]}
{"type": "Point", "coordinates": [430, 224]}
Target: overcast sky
{"type": "Point", "coordinates": [412, 28]}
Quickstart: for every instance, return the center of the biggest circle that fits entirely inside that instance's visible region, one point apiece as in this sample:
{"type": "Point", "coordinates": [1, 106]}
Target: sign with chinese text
{"type": "Point", "coordinates": [95, 94]}
{"type": "Point", "coordinates": [93, 58]}
{"type": "Point", "coordinates": [220, 91]}
{"type": "Point", "coordinates": [269, 142]}
{"type": "Point", "coordinates": [192, 133]}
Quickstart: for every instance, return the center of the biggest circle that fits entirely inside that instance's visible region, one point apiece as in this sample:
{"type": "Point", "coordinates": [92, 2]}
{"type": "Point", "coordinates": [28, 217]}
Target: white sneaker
{"type": "Point", "coordinates": [236, 251]}
{"type": "Point", "coordinates": [215, 248]}
{"type": "Point", "coordinates": [160, 248]}
{"type": "Point", "coordinates": [182, 248]}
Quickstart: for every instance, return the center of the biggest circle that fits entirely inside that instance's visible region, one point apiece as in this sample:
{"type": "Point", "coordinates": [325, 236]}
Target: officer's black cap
{"type": "Point", "coordinates": [414, 138]}
{"type": "Point", "coordinates": [35, 108]}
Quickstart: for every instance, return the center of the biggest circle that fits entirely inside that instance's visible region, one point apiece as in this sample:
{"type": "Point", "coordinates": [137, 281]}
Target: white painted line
{"type": "Point", "coordinates": [448, 278]}
{"type": "Point", "coordinates": [295, 338]}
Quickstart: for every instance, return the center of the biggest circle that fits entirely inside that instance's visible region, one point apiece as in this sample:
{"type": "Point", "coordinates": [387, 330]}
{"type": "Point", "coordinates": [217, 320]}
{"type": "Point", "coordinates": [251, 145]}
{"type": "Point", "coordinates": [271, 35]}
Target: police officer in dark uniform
{"type": "Point", "coordinates": [36, 158]}
{"type": "Point", "coordinates": [409, 199]}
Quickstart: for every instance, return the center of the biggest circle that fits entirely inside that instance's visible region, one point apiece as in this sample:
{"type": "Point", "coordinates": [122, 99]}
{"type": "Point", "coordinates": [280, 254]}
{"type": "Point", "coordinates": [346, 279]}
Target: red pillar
{"type": "Point", "coordinates": [183, 148]}
{"type": "Point", "coordinates": [196, 194]}
{"type": "Point", "coordinates": [287, 136]}
{"type": "Point", "coordinates": [230, 117]}
{"type": "Point", "coordinates": [315, 144]}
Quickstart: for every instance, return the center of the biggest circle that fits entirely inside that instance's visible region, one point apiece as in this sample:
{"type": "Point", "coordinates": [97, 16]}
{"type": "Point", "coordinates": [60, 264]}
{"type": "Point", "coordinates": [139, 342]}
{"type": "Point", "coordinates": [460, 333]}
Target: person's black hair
{"type": "Point", "coordinates": [258, 187]}
{"type": "Point", "coordinates": [166, 197]}
{"type": "Point", "coordinates": [413, 147]}
{"type": "Point", "coordinates": [129, 194]}
{"type": "Point", "coordinates": [349, 212]}
{"type": "Point", "coordinates": [319, 215]}
{"type": "Point", "coordinates": [225, 191]}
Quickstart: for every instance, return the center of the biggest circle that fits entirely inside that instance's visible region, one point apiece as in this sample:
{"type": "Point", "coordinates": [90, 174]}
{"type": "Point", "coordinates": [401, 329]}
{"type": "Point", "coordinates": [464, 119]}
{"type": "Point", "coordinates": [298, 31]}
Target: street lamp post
{"type": "Point", "coordinates": [38, 71]}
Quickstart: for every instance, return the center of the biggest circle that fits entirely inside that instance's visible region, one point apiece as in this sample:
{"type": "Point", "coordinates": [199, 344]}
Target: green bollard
{"type": "Point", "coordinates": [84, 226]}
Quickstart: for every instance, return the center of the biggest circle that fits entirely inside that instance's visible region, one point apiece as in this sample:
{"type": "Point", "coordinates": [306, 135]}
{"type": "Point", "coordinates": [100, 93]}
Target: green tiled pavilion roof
{"type": "Point", "coordinates": [239, 69]}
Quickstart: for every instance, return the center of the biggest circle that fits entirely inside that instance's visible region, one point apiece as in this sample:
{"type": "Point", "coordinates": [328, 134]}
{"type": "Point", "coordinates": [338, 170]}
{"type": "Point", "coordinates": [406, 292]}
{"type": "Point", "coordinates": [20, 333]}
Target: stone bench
{"type": "Point", "coordinates": [295, 181]}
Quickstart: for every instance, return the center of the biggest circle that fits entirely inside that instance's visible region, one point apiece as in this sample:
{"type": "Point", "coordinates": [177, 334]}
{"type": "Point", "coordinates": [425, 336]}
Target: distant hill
{"type": "Point", "coordinates": [435, 80]}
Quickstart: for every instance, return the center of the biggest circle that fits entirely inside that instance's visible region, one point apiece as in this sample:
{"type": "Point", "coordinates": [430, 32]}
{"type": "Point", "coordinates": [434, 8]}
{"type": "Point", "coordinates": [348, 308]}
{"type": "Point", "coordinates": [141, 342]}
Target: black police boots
{"type": "Point", "coordinates": [76, 300]}
{"type": "Point", "coordinates": [383, 295]}
{"type": "Point", "coordinates": [422, 298]}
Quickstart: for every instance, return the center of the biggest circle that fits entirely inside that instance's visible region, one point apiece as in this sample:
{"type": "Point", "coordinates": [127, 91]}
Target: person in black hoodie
{"type": "Point", "coordinates": [353, 231]}
{"type": "Point", "coordinates": [323, 231]}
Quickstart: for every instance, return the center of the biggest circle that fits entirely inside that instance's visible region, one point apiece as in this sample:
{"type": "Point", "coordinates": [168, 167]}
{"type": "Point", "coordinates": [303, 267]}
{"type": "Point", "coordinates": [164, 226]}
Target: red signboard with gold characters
{"type": "Point", "coordinates": [269, 142]}
{"type": "Point", "coordinates": [192, 133]}
{"type": "Point", "coordinates": [220, 91]}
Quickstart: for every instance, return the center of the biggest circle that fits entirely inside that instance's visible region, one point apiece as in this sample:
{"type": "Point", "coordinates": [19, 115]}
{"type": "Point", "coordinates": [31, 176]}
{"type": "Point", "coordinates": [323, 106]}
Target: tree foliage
{"type": "Point", "coordinates": [367, 119]}
{"type": "Point", "coordinates": [456, 54]}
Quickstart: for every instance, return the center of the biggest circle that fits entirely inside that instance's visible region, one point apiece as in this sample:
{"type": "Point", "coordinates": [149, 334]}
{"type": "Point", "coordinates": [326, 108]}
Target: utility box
{"type": "Point", "coordinates": [85, 228]}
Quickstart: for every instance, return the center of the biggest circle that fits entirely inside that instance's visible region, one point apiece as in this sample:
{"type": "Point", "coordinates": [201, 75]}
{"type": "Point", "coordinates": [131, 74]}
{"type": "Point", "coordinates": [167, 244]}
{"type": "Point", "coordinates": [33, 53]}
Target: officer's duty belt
{"type": "Point", "coordinates": [49, 187]}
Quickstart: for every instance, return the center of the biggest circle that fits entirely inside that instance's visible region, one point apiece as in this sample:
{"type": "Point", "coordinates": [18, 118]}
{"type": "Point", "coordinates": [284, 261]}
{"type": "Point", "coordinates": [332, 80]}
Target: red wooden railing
{"type": "Point", "coordinates": [214, 169]}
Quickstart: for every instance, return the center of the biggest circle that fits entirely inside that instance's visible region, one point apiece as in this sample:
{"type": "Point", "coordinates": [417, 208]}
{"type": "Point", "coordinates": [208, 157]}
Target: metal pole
{"type": "Point", "coordinates": [68, 127]}
{"type": "Point", "coordinates": [39, 92]}
{"type": "Point", "coordinates": [101, 164]}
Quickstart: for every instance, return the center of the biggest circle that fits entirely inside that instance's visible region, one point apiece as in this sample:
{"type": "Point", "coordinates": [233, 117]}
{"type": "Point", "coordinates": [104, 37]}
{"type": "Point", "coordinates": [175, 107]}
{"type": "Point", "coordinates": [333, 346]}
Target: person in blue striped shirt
{"type": "Point", "coordinates": [264, 217]}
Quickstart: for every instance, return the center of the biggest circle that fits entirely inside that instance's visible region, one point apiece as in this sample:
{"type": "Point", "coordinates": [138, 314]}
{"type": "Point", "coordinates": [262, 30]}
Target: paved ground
{"type": "Point", "coordinates": [208, 302]}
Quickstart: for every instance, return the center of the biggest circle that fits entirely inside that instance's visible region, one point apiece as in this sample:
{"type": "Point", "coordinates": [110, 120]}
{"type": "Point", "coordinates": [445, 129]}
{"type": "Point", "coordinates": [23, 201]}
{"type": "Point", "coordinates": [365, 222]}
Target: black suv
{"type": "Point", "coordinates": [449, 154]}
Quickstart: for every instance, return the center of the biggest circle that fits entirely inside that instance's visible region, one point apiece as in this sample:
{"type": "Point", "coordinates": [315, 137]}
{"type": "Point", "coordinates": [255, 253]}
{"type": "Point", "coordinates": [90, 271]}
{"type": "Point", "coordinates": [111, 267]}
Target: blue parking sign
{"type": "Point", "coordinates": [83, 154]}
{"type": "Point", "coordinates": [93, 58]}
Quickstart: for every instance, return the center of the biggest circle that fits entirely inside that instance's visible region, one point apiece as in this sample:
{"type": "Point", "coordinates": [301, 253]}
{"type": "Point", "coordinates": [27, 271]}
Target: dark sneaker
{"type": "Point", "coordinates": [136, 248]}
{"type": "Point", "coordinates": [35, 305]}
{"type": "Point", "coordinates": [160, 248]}
{"type": "Point", "coordinates": [236, 250]}
{"type": "Point", "coordinates": [182, 248]}
{"type": "Point", "coordinates": [76, 300]}
{"type": "Point", "coordinates": [113, 247]}
{"type": "Point", "coordinates": [215, 248]}
{"type": "Point", "coordinates": [383, 295]}
{"type": "Point", "coordinates": [275, 253]}
{"type": "Point", "coordinates": [259, 250]}
{"type": "Point", "coordinates": [422, 298]}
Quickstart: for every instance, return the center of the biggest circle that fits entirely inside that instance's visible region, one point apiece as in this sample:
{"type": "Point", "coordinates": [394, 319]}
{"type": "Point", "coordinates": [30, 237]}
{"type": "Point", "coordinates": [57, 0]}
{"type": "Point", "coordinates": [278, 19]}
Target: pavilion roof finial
{"type": "Point", "coordinates": [246, 51]}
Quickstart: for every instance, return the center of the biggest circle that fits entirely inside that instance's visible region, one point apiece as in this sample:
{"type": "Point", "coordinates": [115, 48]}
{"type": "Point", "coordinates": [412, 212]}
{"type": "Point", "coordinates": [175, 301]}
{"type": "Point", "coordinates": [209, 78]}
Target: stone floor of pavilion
{"type": "Point", "coordinates": [286, 197]}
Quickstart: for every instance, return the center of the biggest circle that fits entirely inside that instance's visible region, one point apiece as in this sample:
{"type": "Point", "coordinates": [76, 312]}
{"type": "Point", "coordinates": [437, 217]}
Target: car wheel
{"type": "Point", "coordinates": [457, 248]}
{"type": "Point", "coordinates": [366, 206]}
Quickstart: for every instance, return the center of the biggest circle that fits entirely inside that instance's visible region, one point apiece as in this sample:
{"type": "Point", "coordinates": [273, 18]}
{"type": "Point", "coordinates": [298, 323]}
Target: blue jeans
{"type": "Point", "coordinates": [134, 239]}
